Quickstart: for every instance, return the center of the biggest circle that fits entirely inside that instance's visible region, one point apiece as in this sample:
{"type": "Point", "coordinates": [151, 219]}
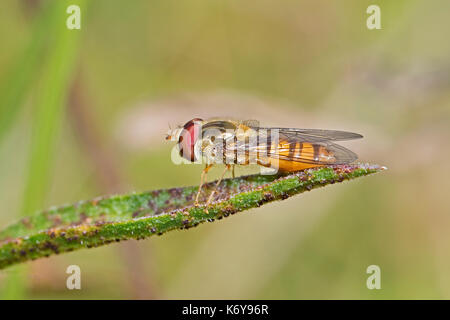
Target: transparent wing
{"type": "Point", "coordinates": [315, 135]}
{"type": "Point", "coordinates": [313, 147]}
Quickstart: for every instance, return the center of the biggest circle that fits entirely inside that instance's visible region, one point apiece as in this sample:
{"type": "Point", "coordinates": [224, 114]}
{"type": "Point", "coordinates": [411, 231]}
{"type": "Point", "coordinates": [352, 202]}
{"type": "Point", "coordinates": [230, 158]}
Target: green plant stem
{"type": "Point", "coordinates": [104, 220]}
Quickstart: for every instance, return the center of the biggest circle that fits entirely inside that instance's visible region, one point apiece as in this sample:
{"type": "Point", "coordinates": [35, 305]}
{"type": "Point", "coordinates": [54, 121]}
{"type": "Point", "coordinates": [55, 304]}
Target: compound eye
{"type": "Point", "coordinates": [188, 137]}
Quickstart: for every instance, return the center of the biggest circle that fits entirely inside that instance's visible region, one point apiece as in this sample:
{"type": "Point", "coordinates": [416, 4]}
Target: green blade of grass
{"type": "Point", "coordinates": [48, 109]}
{"type": "Point", "coordinates": [21, 75]}
{"type": "Point", "coordinates": [104, 220]}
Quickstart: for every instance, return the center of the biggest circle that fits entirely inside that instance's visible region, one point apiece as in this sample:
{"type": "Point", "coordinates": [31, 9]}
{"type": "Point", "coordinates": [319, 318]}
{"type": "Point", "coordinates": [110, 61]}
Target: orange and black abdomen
{"type": "Point", "coordinates": [289, 157]}
{"type": "Point", "coordinates": [274, 152]}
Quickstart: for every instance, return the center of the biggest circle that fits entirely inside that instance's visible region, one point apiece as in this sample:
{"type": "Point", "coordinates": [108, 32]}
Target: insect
{"type": "Point", "coordinates": [231, 142]}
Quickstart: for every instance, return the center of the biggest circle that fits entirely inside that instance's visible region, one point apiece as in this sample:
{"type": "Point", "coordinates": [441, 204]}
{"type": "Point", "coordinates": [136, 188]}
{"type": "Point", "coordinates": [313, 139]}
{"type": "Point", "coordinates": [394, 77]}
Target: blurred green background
{"type": "Point", "coordinates": [84, 113]}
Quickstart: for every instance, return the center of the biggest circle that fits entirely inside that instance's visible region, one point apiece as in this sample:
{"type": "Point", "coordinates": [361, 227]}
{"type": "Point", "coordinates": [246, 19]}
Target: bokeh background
{"type": "Point", "coordinates": [84, 113]}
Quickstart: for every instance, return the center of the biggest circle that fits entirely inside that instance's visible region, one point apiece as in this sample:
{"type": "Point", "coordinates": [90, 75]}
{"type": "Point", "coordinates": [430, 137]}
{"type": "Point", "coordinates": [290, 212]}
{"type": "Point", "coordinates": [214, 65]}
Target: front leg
{"type": "Point", "coordinates": [203, 178]}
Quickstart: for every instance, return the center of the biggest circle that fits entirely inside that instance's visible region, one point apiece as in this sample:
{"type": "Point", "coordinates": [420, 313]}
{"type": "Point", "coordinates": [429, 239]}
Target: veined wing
{"type": "Point", "coordinates": [314, 135]}
{"type": "Point", "coordinates": [293, 145]}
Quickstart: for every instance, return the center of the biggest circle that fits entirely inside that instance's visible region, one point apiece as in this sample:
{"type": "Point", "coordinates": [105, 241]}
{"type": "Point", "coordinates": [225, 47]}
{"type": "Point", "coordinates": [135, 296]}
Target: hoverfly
{"type": "Point", "coordinates": [231, 142]}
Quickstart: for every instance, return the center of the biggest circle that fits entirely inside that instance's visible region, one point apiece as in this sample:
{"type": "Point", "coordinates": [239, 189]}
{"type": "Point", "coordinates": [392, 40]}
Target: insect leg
{"type": "Point", "coordinates": [217, 184]}
{"type": "Point", "coordinates": [202, 180]}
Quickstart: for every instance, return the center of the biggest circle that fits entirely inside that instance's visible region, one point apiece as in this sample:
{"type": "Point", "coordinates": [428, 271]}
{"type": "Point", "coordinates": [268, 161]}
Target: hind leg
{"type": "Point", "coordinates": [227, 167]}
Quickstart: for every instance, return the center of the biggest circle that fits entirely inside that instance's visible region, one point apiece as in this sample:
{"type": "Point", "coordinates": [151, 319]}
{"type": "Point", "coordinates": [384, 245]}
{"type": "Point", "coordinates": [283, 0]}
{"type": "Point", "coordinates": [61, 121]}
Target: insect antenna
{"type": "Point", "coordinates": [169, 134]}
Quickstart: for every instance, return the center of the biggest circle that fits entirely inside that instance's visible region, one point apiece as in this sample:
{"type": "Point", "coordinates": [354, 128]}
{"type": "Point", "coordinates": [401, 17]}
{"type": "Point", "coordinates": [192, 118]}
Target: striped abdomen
{"type": "Point", "coordinates": [284, 155]}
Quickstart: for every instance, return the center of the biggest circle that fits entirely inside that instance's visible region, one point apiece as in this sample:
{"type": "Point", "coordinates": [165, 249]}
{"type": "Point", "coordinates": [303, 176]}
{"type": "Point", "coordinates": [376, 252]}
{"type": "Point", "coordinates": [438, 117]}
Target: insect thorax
{"type": "Point", "coordinates": [227, 148]}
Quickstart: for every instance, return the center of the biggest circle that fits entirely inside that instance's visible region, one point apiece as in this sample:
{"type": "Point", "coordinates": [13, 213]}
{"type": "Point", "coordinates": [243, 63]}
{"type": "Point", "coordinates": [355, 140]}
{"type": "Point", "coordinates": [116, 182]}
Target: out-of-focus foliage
{"type": "Point", "coordinates": [288, 63]}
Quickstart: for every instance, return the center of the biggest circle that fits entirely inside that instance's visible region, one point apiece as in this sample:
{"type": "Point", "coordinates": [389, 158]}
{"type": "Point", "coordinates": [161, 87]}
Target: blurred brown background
{"type": "Point", "coordinates": [141, 65]}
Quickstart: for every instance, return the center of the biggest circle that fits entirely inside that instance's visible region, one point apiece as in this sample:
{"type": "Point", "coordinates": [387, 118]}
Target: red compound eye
{"type": "Point", "coordinates": [188, 137]}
